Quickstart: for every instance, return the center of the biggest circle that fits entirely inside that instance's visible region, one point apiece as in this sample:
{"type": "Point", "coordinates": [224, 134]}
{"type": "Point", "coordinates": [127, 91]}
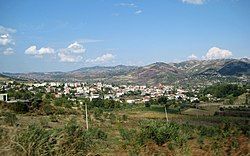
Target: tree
{"type": "Point", "coordinates": [147, 104]}
{"type": "Point", "coordinates": [163, 100]}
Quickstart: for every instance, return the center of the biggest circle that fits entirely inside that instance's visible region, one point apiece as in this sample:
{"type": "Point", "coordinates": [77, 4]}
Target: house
{"type": "Point", "coordinates": [94, 96]}
{"type": "Point", "coordinates": [130, 101]}
{"type": "Point", "coordinates": [3, 97]}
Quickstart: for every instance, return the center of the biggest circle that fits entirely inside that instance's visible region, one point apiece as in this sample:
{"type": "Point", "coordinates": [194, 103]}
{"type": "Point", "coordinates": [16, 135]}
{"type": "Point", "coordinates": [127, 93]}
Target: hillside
{"type": "Point", "coordinates": [158, 72]}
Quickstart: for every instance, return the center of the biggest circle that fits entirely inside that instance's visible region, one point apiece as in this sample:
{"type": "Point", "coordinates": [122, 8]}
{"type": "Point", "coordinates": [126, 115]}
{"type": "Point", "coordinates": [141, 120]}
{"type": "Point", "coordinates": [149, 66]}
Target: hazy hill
{"type": "Point", "coordinates": [158, 72]}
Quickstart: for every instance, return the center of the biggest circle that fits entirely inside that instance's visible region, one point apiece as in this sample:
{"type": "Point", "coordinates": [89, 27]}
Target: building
{"type": "Point", "coordinates": [3, 97]}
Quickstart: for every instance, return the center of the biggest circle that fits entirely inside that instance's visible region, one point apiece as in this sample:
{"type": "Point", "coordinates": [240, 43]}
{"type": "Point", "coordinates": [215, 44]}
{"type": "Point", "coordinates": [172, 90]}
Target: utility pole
{"type": "Point", "coordinates": [86, 115]}
{"type": "Point", "coordinates": [166, 113]}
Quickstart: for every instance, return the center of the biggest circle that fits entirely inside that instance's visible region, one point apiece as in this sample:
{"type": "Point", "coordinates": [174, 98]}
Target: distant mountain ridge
{"type": "Point", "coordinates": [158, 72]}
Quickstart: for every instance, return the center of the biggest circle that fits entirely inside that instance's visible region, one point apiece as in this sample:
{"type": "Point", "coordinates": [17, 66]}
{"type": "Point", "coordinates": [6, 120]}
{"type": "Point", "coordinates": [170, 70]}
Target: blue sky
{"type": "Point", "coordinates": [63, 35]}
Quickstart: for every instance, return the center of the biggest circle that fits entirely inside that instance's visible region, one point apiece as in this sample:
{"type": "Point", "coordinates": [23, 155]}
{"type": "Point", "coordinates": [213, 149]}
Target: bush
{"type": "Point", "coordinates": [48, 109]}
{"type": "Point", "coordinates": [112, 118]}
{"type": "Point", "coordinates": [9, 118]}
{"type": "Point", "coordinates": [147, 104]}
{"type": "Point", "coordinates": [3, 134]}
{"type": "Point", "coordinates": [53, 118]}
{"type": "Point", "coordinates": [209, 131]}
{"type": "Point", "coordinates": [98, 133]}
{"type": "Point", "coordinates": [34, 141]}
{"type": "Point", "coordinates": [98, 113]}
{"type": "Point", "coordinates": [60, 111]}
{"type": "Point", "coordinates": [124, 117]}
{"type": "Point", "coordinates": [44, 122]}
{"type": "Point", "coordinates": [19, 107]}
{"type": "Point", "coordinates": [127, 134]}
{"type": "Point", "coordinates": [162, 132]}
{"type": "Point", "coordinates": [70, 140]}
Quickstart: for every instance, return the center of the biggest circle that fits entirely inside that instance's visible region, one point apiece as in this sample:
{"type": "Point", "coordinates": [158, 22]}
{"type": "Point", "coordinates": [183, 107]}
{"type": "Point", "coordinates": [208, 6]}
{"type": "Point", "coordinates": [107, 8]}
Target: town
{"type": "Point", "coordinates": [123, 93]}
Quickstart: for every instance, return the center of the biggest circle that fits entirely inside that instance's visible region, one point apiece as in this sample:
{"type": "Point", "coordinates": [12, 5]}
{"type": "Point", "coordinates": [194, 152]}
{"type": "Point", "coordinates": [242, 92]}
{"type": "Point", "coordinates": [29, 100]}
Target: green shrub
{"type": "Point", "coordinates": [112, 118]}
{"type": "Point", "coordinates": [127, 134]}
{"type": "Point", "coordinates": [34, 141]}
{"type": "Point", "coordinates": [53, 118]}
{"type": "Point", "coordinates": [3, 133]}
{"type": "Point", "coordinates": [235, 143]}
{"type": "Point", "coordinates": [9, 118]}
{"type": "Point", "coordinates": [98, 113]}
{"type": "Point", "coordinates": [70, 140]}
{"type": "Point", "coordinates": [44, 122]}
{"type": "Point", "coordinates": [124, 117]}
{"type": "Point", "coordinates": [19, 107]}
{"type": "Point", "coordinates": [60, 111]}
{"type": "Point", "coordinates": [147, 104]}
{"type": "Point", "coordinates": [209, 131]}
{"type": "Point", "coordinates": [162, 132]}
{"type": "Point", "coordinates": [98, 133]}
{"type": "Point", "coordinates": [48, 109]}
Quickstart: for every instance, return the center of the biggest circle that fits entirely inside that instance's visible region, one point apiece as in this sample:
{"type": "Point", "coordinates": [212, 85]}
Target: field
{"type": "Point", "coordinates": [136, 130]}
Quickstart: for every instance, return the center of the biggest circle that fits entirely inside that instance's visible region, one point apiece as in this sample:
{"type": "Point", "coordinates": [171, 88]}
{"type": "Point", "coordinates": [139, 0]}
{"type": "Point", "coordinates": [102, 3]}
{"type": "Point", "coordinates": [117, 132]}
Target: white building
{"type": "Point", "coordinates": [3, 97]}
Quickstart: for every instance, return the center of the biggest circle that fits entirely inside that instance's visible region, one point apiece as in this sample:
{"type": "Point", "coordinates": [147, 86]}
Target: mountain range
{"type": "Point", "coordinates": [159, 72]}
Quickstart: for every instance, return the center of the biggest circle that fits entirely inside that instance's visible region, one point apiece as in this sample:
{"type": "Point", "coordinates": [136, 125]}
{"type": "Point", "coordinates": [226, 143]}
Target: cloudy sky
{"type": "Point", "coordinates": [63, 35]}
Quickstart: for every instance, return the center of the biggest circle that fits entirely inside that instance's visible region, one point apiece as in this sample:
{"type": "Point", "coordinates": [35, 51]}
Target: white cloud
{"type": "Point", "coordinates": [196, 2]}
{"type": "Point", "coordinates": [138, 11]}
{"type": "Point", "coordinates": [102, 59]}
{"type": "Point", "coordinates": [69, 58]}
{"type": "Point", "coordinates": [6, 40]}
{"type": "Point", "coordinates": [8, 51]}
{"type": "Point", "coordinates": [192, 57]}
{"type": "Point", "coordinates": [4, 30]}
{"type": "Point", "coordinates": [5, 36]}
{"type": "Point", "coordinates": [131, 5]}
{"type": "Point", "coordinates": [73, 53]}
{"type": "Point", "coordinates": [217, 53]}
{"type": "Point", "coordinates": [32, 50]}
{"type": "Point", "coordinates": [76, 48]}
{"type": "Point", "coordinates": [88, 40]}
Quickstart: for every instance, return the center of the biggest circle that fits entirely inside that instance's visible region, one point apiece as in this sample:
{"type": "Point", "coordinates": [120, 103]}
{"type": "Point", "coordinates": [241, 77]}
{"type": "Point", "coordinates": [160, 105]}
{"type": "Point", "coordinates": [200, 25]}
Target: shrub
{"type": "Point", "coordinates": [127, 134]}
{"type": "Point", "coordinates": [53, 118]}
{"type": "Point", "coordinates": [147, 104]}
{"type": "Point", "coordinates": [19, 107]}
{"type": "Point", "coordinates": [209, 131]}
{"type": "Point", "coordinates": [98, 113]}
{"type": "Point", "coordinates": [131, 140]}
{"type": "Point", "coordinates": [60, 111]}
{"type": "Point", "coordinates": [124, 117]}
{"type": "Point", "coordinates": [162, 132]}
{"type": "Point", "coordinates": [34, 141]}
{"type": "Point", "coordinates": [97, 133]}
{"type": "Point", "coordinates": [70, 140]}
{"type": "Point", "coordinates": [112, 118]}
{"type": "Point", "coordinates": [3, 133]}
{"type": "Point", "coordinates": [9, 118]}
{"type": "Point", "coordinates": [44, 122]}
{"type": "Point", "coordinates": [48, 109]}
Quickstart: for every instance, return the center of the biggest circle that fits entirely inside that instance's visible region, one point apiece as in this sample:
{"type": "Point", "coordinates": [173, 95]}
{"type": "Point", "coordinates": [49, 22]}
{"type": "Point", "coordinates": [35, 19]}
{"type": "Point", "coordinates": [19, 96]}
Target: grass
{"type": "Point", "coordinates": [137, 130]}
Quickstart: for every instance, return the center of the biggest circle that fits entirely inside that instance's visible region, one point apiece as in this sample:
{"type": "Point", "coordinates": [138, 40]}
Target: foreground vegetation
{"type": "Point", "coordinates": [132, 131]}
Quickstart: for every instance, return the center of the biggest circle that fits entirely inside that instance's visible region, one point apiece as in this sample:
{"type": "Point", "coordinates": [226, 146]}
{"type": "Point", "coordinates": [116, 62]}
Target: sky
{"type": "Point", "coordinates": [64, 35]}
